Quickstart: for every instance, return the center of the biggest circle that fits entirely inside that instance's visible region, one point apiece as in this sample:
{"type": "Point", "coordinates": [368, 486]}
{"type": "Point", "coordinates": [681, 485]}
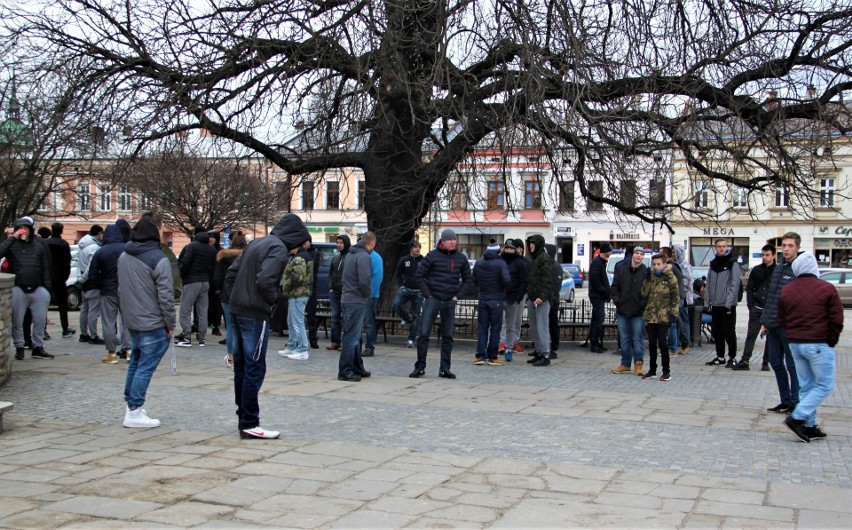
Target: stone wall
{"type": "Point", "coordinates": [7, 349]}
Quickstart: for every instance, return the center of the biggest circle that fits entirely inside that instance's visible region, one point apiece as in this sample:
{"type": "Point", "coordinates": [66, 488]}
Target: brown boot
{"type": "Point", "coordinates": [620, 369]}
{"type": "Point", "coordinates": [110, 358]}
{"type": "Point", "coordinates": [637, 367]}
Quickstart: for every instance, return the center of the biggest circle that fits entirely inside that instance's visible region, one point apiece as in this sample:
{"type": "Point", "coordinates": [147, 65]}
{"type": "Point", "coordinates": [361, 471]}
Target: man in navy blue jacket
{"type": "Point", "coordinates": [491, 275]}
{"type": "Point", "coordinates": [104, 272]}
{"type": "Point", "coordinates": [443, 277]}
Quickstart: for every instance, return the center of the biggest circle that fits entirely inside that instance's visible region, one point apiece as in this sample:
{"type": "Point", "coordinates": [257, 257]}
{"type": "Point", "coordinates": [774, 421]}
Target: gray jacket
{"type": "Point", "coordinates": [686, 271]}
{"type": "Point", "coordinates": [357, 274]}
{"type": "Point", "coordinates": [723, 281]}
{"type": "Point", "coordinates": [145, 292]}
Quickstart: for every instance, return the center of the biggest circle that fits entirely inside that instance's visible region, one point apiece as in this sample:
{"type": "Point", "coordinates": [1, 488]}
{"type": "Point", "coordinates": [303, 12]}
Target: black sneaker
{"type": "Point", "coordinates": [596, 348]}
{"type": "Point", "coordinates": [19, 354]}
{"type": "Point", "coordinates": [446, 374]}
{"type": "Point", "coordinates": [84, 338]}
{"type": "Point", "coordinates": [554, 355]}
{"type": "Point", "coordinates": [46, 336]}
{"type": "Point", "coordinates": [666, 377]}
{"type": "Point", "coordinates": [649, 374]}
{"type": "Point", "coordinates": [96, 340]}
{"type": "Point", "coordinates": [542, 361]}
{"type": "Point", "coordinates": [764, 367]}
{"type": "Point", "coordinates": [815, 433]}
{"type": "Point", "coordinates": [368, 353]}
{"type": "Point", "coordinates": [39, 353]}
{"type": "Point", "coordinates": [730, 363]}
{"type": "Point", "coordinates": [535, 359]}
{"type": "Point", "coordinates": [68, 333]}
{"type": "Point", "coordinates": [798, 428]}
{"type": "Point", "coordinates": [417, 373]}
{"type": "Point", "coordinates": [201, 343]}
{"type": "Point", "coordinates": [742, 365]}
{"type": "Point", "coordinates": [223, 341]}
{"type": "Point", "coordinates": [717, 361]}
{"type": "Point", "coordinates": [781, 408]}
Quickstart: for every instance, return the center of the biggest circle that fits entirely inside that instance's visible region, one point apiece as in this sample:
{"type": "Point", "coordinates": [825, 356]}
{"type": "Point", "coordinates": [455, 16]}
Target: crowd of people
{"type": "Point", "coordinates": [126, 278]}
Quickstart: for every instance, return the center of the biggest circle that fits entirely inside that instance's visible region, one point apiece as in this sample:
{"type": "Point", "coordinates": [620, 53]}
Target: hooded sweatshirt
{"type": "Point", "coordinates": [28, 259]}
{"type": "Point", "coordinates": [723, 281]}
{"type": "Point", "coordinates": [88, 245]}
{"type": "Point", "coordinates": [517, 288]}
{"type": "Point", "coordinates": [809, 309]}
{"type": "Point", "coordinates": [103, 271]}
{"type": "Point", "coordinates": [255, 277]}
{"type": "Point", "coordinates": [335, 271]}
{"type": "Point", "coordinates": [197, 260]}
{"type": "Point", "coordinates": [146, 297]}
{"type": "Point", "coordinates": [541, 282]}
{"type": "Point", "coordinates": [60, 259]}
{"type": "Point", "coordinates": [357, 276]}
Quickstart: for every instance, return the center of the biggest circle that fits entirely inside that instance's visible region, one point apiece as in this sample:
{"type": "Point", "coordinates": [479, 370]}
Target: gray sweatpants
{"type": "Point", "coordinates": [37, 302]}
{"type": "Point", "coordinates": [109, 319]}
{"type": "Point", "coordinates": [513, 325]}
{"type": "Point", "coordinates": [539, 326]}
{"type": "Point", "coordinates": [90, 312]}
{"type": "Point", "coordinates": [194, 294]}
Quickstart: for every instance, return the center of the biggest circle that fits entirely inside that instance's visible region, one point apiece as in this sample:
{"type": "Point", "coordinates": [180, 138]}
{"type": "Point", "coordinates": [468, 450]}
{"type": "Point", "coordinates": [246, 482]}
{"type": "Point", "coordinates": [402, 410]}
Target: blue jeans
{"type": "Point", "coordinates": [405, 296]}
{"type": "Point", "coordinates": [146, 350]}
{"type": "Point", "coordinates": [298, 338]}
{"type": "Point", "coordinates": [350, 362]}
{"type": "Point", "coordinates": [672, 337]}
{"type": "Point", "coordinates": [683, 327]}
{"type": "Point", "coordinates": [230, 336]}
{"type": "Point", "coordinates": [781, 360]}
{"type": "Point", "coordinates": [815, 368]}
{"type": "Point", "coordinates": [597, 322]}
{"type": "Point", "coordinates": [432, 307]}
{"type": "Point", "coordinates": [336, 316]}
{"type": "Point", "coordinates": [370, 319]}
{"type": "Point", "coordinates": [631, 331]}
{"type": "Point", "coordinates": [490, 322]}
{"type": "Point", "coordinates": [252, 337]}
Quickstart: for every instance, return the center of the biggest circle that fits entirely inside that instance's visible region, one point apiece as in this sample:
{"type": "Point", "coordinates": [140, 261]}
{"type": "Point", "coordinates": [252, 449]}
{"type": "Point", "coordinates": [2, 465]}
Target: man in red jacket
{"type": "Point", "coordinates": [810, 312]}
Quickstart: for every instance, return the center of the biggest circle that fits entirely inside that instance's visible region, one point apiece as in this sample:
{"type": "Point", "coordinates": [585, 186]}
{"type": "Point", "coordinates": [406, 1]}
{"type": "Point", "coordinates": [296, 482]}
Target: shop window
{"type": "Point", "coordinates": [702, 250]}
{"type": "Point", "coordinates": [474, 245]}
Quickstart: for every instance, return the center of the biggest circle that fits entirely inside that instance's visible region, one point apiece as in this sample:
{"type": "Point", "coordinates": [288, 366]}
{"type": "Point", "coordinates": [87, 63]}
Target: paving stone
{"type": "Point", "coordinates": [810, 497]}
{"type": "Point", "coordinates": [466, 512]}
{"type": "Point", "coordinates": [186, 514]}
{"type": "Point", "coordinates": [747, 511]}
{"type": "Point", "coordinates": [736, 496]}
{"type": "Point", "coordinates": [307, 504]}
{"type": "Point", "coordinates": [572, 485]}
{"type": "Point", "coordinates": [358, 489]}
{"type": "Point", "coordinates": [824, 519]}
{"type": "Point", "coordinates": [40, 456]}
{"type": "Point", "coordinates": [286, 470]}
{"type": "Point", "coordinates": [541, 513]}
{"type": "Point", "coordinates": [40, 519]}
{"type": "Point", "coordinates": [372, 519]}
{"type": "Point", "coordinates": [629, 500]}
{"type": "Point", "coordinates": [102, 507]}
{"type": "Point", "coordinates": [394, 504]}
{"type": "Point", "coordinates": [300, 520]}
{"type": "Point", "coordinates": [232, 495]}
{"type": "Point", "coordinates": [23, 490]}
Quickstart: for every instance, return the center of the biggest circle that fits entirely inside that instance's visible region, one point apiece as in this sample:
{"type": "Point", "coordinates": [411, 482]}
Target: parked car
{"type": "Point", "coordinates": [75, 296]}
{"type": "Point", "coordinates": [841, 279]}
{"type": "Point", "coordinates": [327, 251]}
{"type": "Point", "coordinates": [567, 292]}
{"type": "Point", "coordinates": [575, 272]}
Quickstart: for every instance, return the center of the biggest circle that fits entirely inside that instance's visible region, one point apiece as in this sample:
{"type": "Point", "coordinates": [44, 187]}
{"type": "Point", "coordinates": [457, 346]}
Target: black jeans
{"type": "Point", "coordinates": [597, 322]}
{"type": "Point", "coordinates": [658, 337]}
{"type": "Point", "coordinates": [724, 330]}
{"type": "Point", "coordinates": [311, 323]}
{"type": "Point", "coordinates": [553, 326]}
{"type": "Point", "coordinates": [61, 292]}
{"type": "Point", "coordinates": [754, 315]}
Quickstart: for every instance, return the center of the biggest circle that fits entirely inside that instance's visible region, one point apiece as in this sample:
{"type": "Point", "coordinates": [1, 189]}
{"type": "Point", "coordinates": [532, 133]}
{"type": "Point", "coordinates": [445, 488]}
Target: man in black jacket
{"type": "Point", "coordinates": [29, 262]}
{"type": "Point", "coordinates": [335, 290]}
{"type": "Point", "coordinates": [60, 270]}
{"type": "Point", "coordinates": [756, 291]}
{"type": "Point", "coordinates": [599, 295]}
{"type": "Point", "coordinates": [104, 272]}
{"type": "Point", "coordinates": [254, 281]}
{"type": "Point", "coordinates": [197, 262]}
{"type": "Point", "coordinates": [312, 255]}
{"type": "Point", "coordinates": [629, 275]}
{"type": "Point", "coordinates": [492, 277]}
{"type": "Point", "coordinates": [541, 286]}
{"type": "Point", "coordinates": [515, 293]}
{"type": "Point", "coordinates": [409, 291]}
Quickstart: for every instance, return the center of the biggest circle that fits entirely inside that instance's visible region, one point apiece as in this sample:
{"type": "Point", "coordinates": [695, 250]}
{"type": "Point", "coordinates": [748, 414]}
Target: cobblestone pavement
{"type": "Point", "coordinates": [570, 445]}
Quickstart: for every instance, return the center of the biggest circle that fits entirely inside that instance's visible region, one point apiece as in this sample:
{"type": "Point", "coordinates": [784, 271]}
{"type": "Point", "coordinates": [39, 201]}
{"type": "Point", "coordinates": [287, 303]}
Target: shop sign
{"type": "Point", "coordinates": [717, 231]}
{"type": "Point", "coordinates": [624, 236]}
{"type": "Point", "coordinates": [581, 249]}
{"type": "Point", "coordinates": [842, 231]}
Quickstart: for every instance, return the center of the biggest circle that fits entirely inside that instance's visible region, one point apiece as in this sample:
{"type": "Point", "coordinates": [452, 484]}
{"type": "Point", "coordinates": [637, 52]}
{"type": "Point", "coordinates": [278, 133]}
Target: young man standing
{"type": "Point", "coordinates": [357, 277]}
{"type": "Point", "coordinates": [378, 274]}
{"type": "Point", "coordinates": [629, 305]}
{"type": "Point", "coordinates": [197, 262]}
{"type": "Point", "coordinates": [147, 303]}
{"type": "Point", "coordinates": [335, 290]}
{"type": "Point", "coordinates": [515, 293]}
{"type": "Point", "coordinates": [491, 276]}
{"type": "Point", "coordinates": [541, 283]}
{"type": "Point", "coordinates": [756, 291]}
{"type": "Point", "coordinates": [90, 307]}
{"type": "Point", "coordinates": [811, 313]}
{"type": "Point", "coordinates": [60, 270]}
{"type": "Point", "coordinates": [409, 291]}
{"type": "Point", "coordinates": [662, 292]}
{"type": "Point", "coordinates": [104, 273]}
{"type": "Point", "coordinates": [599, 294]}
{"type": "Point", "coordinates": [253, 281]}
{"type": "Point", "coordinates": [723, 284]}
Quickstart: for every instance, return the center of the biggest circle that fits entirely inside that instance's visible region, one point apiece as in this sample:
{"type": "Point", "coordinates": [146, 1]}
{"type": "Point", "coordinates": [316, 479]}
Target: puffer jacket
{"type": "Point", "coordinates": [103, 272]}
{"type": "Point", "coordinates": [663, 298]}
{"type": "Point", "coordinates": [28, 260]}
{"type": "Point", "coordinates": [541, 282]}
{"type": "Point", "coordinates": [335, 271]}
{"type": "Point", "coordinates": [723, 281]}
{"type": "Point", "coordinates": [517, 288]}
{"type": "Point", "coordinates": [197, 260]}
{"type": "Point", "coordinates": [558, 273]}
{"type": "Point", "coordinates": [444, 274]}
{"type": "Point", "coordinates": [781, 276]}
{"type": "Point", "coordinates": [491, 275]}
{"type": "Point", "coordinates": [627, 289]}
{"type": "Point", "coordinates": [686, 271]}
{"type": "Point", "coordinates": [254, 279]}
{"type": "Point", "coordinates": [599, 287]}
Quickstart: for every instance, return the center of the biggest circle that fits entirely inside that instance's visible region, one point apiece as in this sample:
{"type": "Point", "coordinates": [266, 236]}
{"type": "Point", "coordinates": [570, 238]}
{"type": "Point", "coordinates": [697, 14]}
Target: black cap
{"type": "Point", "coordinates": [606, 247]}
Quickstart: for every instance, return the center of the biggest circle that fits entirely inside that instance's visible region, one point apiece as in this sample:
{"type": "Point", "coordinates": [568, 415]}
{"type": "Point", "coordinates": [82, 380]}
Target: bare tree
{"type": "Point", "coordinates": [406, 89]}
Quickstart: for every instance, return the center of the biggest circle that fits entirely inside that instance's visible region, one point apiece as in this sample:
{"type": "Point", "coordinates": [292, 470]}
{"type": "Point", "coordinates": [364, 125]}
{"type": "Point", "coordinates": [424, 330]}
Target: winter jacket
{"type": "Point", "coordinates": [224, 259]}
{"type": "Point", "coordinates": [627, 289]}
{"type": "Point", "coordinates": [406, 271]}
{"type": "Point", "coordinates": [663, 298]}
{"type": "Point", "coordinates": [312, 256]}
{"type": "Point", "coordinates": [517, 288]}
{"type": "Point", "coordinates": [444, 274]}
{"type": "Point", "coordinates": [675, 269]}
{"type": "Point", "coordinates": [686, 273]}
{"type": "Point", "coordinates": [491, 275]}
{"type": "Point", "coordinates": [541, 282]}
{"type": "Point", "coordinates": [558, 273]}
{"type": "Point", "coordinates": [378, 271]}
{"type": "Point", "coordinates": [197, 260]}
{"type": "Point", "coordinates": [357, 275]}
{"type": "Point", "coordinates": [757, 288]}
{"type": "Point", "coordinates": [599, 287]}
{"type": "Point", "coordinates": [88, 245]}
{"type": "Point", "coordinates": [723, 282]}
{"type": "Point", "coordinates": [254, 278]}
{"type": "Point", "coordinates": [103, 271]}
{"type": "Point", "coordinates": [781, 276]}
{"type": "Point", "coordinates": [60, 260]}
{"type": "Point", "coordinates": [809, 310]}
{"type": "Point", "coordinates": [28, 260]}
{"type": "Point", "coordinates": [335, 271]}
{"type": "Point", "coordinates": [298, 276]}
{"type": "Point", "coordinates": [146, 299]}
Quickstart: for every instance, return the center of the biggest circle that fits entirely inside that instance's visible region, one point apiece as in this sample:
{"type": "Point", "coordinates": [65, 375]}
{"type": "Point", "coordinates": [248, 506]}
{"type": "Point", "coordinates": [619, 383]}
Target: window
{"type": "Point", "coordinates": [700, 196]}
{"type": "Point", "coordinates": [124, 198]}
{"type": "Point", "coordinates": [458, 196]}
{"type": "Point", "coordinates": [496, 196]}
{"type": "Point", "coordinates": [782, 197]}
{"type": "Point", "coordinates": [566, 196]}
{"type": "Point", "coordinates": [595, 188]}
{"type": "Point", "coordinates": [826, 193]}
{"type": "Point", "coordinates": [362, 192]}
{"type": "Point", "coordinates": [532, 195]}
{"type": "Point", "coordinates": [84, 198]}
{"type": "Point", "coordinates": [144, 202]}
{"type": "Point", "coordinates": [628, 193]}
{"type": "Point", "coordinates": [104, 198]}
{"type": "Point", "coordinates": [52, 201]}
{"type": "Point", "coordinates": [332, 195]}
{"type": "Point", "coordinates": [282, 195]}
{"type": "Point", "coordinates": [740, 197]}
{"type": "Point", "coordinates": [308, 195]}
{"type": "Point", "coordinates": [656, 193]}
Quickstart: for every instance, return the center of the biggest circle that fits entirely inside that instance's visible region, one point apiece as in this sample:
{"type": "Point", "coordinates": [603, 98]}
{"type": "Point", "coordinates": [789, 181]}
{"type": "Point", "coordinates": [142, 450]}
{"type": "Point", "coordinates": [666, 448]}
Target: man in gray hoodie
{"type": "Point", "coordinates": [357, 275]}
{"type": "Point", "coordinates": [683, 325]}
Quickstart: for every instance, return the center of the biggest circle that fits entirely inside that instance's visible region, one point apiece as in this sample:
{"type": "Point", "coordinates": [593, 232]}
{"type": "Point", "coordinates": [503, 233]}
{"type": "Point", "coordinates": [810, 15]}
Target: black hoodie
{"type": "Point", "coordinates": [197, 260]}
{"type": "Point", "coordinates": [541, 282]}
{"type": "Point", "coordinates": [335, 271]}
{"type": "Point", "coordinates": [255, 276]}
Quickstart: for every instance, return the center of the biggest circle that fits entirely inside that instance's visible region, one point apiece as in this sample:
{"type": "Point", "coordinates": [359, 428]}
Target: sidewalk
{"type": "Point", "coordinates": [570, 445]}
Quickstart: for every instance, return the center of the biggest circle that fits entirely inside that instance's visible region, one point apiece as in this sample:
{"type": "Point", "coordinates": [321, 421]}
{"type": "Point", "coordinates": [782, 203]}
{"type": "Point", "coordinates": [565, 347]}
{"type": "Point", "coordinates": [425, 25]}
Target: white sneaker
{"type": "Point", "coordinates": [258, 432]}
{"type": "Point", "coordinates": [296, 356]}
{"type": "Point", "coordinates": [139, 419]}
{"type": "Point", "coordinates": [286, 352]}
{"type": "Point", "coordinates": [184, 343]}
{"type": "Point", "coordinates": [410, 344]}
